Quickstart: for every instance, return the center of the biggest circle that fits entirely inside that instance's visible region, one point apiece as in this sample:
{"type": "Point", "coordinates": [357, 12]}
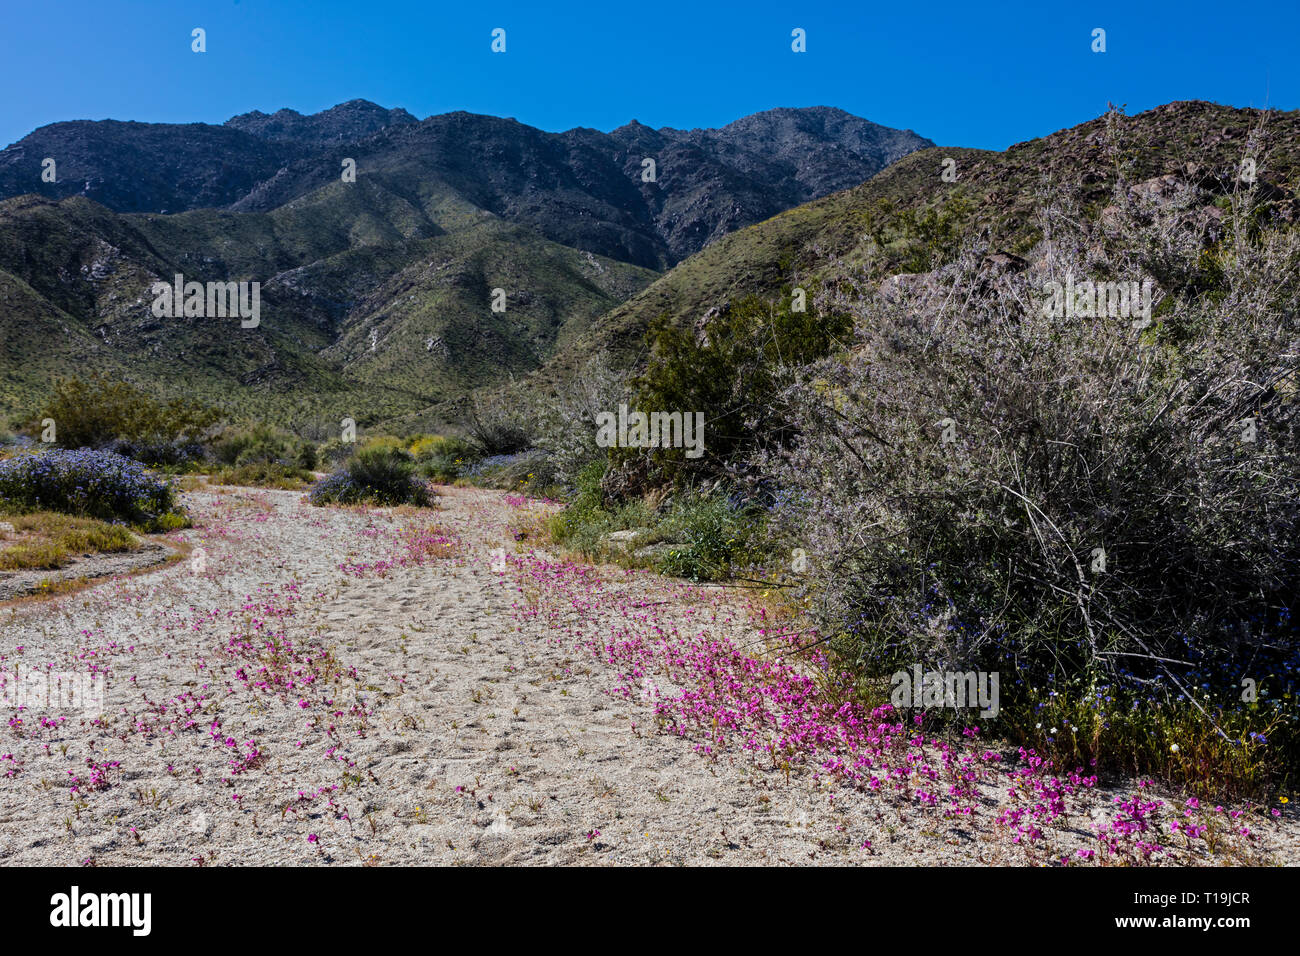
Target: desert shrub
{"type": "Point", "coordinates": [418, 446]}
{"type": "Point", "coordinates": [106, 414]}
{"type": "Point", "coordinates": [702, 536]}
{"type": "Point", "coordinates": [442, 458]}
{"type": "Point", "coordinates": [527, 471]}
{"type": "Point", "coordinates": [334, 452]}
{"type": "Point", "coordinates": [380, 476]}
{"type": "Point", "coordinates": [96, 484]}
{"type": "Point", "coordinates": [261, 445]}
{"type": "Point", "coordinates": [588, 518]}
{"type": "Point", "coordinates": [424, 447]}
{"type": "Point", "coordinates": [710, 536]}
{"type": "Point", "coordinates": [427, 446]}
{"type": "Point", "coordinates": [733, 371]}
{"type": "Point", "coordinates": [159, 453]}
{"type": "Point", "coordinates": [263, 474]}
{"type": "Point", "coordinates": [565, 419]}
{"type": "Point", "coordinates": [918, 240]}
{"type": "Point", "coordinates": [499, 422]}
{"type": "Point", "coordinates": [383, 443]}
{"type": "Point", "coordinates": [979, 484]}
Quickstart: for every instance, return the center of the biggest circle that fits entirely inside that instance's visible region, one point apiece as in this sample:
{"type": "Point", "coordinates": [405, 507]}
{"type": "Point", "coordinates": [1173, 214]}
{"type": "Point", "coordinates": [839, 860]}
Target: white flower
{"type": "Point", "coordinates": [1174, 747]}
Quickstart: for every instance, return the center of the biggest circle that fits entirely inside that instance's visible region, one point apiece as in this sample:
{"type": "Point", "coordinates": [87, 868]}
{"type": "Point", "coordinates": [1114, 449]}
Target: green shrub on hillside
{"type": "Point", "coordinates": [733, 372]}
{"type": "Point", "coordinates": [114, 415]}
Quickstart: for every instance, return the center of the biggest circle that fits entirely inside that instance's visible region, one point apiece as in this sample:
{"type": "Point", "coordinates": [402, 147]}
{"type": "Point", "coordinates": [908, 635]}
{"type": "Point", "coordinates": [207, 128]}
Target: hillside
{"type": "Point", "coordinates": [582, 187]}
{"type": "Point", "coordinates": [75, 280]}
{"type": "Point", "coordinates": [375, 293]}
{"type": "Point", "coordinates": [872, 226]}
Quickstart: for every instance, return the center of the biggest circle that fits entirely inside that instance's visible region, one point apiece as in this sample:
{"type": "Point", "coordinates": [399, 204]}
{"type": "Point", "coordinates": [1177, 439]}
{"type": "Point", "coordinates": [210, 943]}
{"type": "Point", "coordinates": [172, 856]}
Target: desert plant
{"type": "Point", "coordinates": [96, 484]}
{"type": "Point", "coordinates": [261, 445]}
{"type": "Point", "coordinates": [263, 475]}
{"type": "Point", "coordinates": [107, 414]}
{"type": "Point", "coordinates": [47, 539]}
{"type": "Point", "coordinates": [334, 452]}
{"type": "Point", "coordinates": [499, 422]}
{"type": "Point", "coordinates": [732, 370]}
{"type": "Point", "coordinates": [442, 458]}
{"type": "Point", "coordinates": [983, 484]}
{"type": "Point", "coordinates": [565, 419]}
{"type": "Point", "coordinates": [383, 476]}
{"type": "Point", "coordinates": [383, 443]}
{"type": "Point", "coordinates": [709, 536]}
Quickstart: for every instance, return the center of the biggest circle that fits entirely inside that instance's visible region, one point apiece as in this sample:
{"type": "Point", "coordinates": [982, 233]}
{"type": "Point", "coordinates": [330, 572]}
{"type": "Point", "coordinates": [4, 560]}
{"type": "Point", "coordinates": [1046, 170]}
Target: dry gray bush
{"type": "Point", "coordinates": [1098, 504]}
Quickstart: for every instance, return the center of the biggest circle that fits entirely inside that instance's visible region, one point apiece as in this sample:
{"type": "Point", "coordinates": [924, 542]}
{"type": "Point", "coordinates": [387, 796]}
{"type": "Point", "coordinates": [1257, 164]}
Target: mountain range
{"type": "Point", "coordinates": [376, 290]}
{"type": "Point", "coordinates": [376, 294]}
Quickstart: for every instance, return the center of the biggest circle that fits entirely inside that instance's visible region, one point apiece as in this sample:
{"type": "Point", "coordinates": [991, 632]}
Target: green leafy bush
{"type": "Point", "coordinates": [710, 536]}
{"type": "Point", "coordinates": [733, 372]}
{"type": "Point", "coordinates": [106, 414]}
{"type": "Point", "coordinates": [702, 536]}
{"type": "Point", "coordinates": [382, 476]}
{"type": "Point", "coordinates": [262, 445]}
{"type": "Point", "coordinates": [586, 522]}
{"type": "Point", "coordinates": [334, 452]}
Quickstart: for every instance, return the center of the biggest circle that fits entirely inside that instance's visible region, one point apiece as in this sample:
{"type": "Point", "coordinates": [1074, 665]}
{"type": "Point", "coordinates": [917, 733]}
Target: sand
{"type": "Point", "coordinates": [431, 712]}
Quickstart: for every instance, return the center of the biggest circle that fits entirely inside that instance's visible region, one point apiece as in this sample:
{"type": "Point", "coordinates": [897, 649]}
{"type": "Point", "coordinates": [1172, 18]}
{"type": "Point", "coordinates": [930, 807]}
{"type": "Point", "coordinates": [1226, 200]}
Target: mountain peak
{"type": "Point", "coordinates": [582, 188]}
{"type": "Point", "coordinates": [343, 123]}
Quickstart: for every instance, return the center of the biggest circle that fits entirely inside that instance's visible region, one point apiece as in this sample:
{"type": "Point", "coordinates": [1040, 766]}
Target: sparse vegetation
{"type": "Point", "coordinates": [47, 539]}
{"type": "Point", "coordinates": [378, 475]}
{"type": "Point", "coordinates": [263, 475]}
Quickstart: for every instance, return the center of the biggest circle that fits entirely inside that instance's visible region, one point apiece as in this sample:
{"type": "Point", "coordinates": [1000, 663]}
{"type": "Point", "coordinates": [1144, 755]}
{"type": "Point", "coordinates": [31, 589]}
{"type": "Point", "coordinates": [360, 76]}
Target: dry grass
{"type": "Point", "coordinates": [530, 525]}
{"type": "Point", "coordinates": [263, 475]}
{"type": "Point", "coordinates": [46, 539]}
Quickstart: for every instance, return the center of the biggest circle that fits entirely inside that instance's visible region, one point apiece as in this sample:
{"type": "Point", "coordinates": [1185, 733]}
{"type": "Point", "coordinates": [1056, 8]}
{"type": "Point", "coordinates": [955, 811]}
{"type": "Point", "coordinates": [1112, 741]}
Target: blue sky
{"type": "Point", "coordinates": [963, 74]}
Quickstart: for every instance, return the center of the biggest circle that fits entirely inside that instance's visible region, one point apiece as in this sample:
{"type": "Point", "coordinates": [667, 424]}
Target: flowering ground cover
{"type": "Point", "coordinates": [383, 686]}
